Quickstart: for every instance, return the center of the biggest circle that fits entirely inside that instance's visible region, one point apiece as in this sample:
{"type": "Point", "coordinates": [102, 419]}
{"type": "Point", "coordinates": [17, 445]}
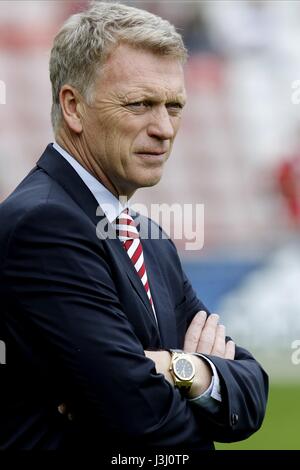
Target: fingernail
{"type": "Point", "coordinates": [61, 409]}
{"type": "Point", "coordinates": [215, 316]}
{"type": "Point", "coordinates": [202, 313]}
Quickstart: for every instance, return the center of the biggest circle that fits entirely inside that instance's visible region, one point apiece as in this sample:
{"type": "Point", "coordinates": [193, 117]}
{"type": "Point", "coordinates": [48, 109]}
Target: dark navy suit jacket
{"type": "Point", "coordinates": [75, 319]}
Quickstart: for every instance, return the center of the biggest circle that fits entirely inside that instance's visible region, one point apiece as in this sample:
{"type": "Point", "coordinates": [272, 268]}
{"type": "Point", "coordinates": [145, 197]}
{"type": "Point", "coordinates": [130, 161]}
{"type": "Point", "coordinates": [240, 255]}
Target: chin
{"type": "Point", "coordinates": [145, 179]}
{"type": "Point", "coordinates": [147, 183]}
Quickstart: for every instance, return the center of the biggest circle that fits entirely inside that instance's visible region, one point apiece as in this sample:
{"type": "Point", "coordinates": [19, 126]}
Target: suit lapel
{"type": "Point", "coordinates": [117, 250]}
{"type": "Point", "coordinates": [160, 295]}
{"type": "Point", "coordinates": [61, 171]}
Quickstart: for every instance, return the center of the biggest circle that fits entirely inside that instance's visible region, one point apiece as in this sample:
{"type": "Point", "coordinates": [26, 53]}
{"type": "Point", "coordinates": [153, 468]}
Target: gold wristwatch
{"type": "Point", "coordinates": [182, 370]}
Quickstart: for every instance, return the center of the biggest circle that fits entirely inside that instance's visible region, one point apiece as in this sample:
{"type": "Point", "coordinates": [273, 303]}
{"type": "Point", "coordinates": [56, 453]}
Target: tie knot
{"type": "Point", "coordinates": [125, 227]}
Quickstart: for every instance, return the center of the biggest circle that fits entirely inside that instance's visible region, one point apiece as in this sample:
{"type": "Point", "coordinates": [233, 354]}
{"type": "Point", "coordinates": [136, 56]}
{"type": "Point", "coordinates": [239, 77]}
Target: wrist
{"type": "Point", "coordinates": [167, 373]}
{"type": "Point", "coordinates": [182, 370]}
{"type": "Point", "coordinates": [203, 376]}
{"type": "Point", "coordinates": [162, 361]}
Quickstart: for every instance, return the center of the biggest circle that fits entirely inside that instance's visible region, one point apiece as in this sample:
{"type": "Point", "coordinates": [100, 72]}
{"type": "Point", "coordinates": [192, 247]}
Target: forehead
{"type": "Point", "coordinates": [132, 71]}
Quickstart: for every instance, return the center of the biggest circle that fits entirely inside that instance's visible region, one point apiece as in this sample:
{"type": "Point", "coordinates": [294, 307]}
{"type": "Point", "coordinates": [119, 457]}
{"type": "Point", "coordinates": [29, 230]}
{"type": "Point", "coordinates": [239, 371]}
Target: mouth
{"type": "Point", "coordinates": [151, 155]}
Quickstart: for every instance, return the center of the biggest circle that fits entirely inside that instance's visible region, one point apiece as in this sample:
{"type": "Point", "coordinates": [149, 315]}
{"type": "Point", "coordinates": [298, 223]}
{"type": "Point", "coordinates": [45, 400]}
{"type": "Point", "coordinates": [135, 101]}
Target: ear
{"type": "Point", "coordinates": [70, 105]}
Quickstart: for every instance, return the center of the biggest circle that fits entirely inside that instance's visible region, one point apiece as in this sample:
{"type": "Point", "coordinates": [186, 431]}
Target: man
{"type": "Point", "coordinates": [89, 319]}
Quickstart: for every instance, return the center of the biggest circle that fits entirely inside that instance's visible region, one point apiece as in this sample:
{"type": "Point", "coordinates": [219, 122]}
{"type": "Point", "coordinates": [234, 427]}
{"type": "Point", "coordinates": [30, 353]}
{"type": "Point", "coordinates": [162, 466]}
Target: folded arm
{"type": "Point", "coordinates": [59, 278]}
{"type": "Point", "coordinates": [243, 383]}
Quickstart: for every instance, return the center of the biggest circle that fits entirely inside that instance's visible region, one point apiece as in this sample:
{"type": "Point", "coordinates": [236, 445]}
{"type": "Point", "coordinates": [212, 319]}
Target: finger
{"type": "Point", "coordinates": [230, 350]}
{"type": "Point", "coordinates": [219, 344]}
{"type": "Point", "coordinates": [208, 334]}
{"type": "Point", "coordinates": [62, 408]}
{"type": "Point", "coordinates": [194, 331]}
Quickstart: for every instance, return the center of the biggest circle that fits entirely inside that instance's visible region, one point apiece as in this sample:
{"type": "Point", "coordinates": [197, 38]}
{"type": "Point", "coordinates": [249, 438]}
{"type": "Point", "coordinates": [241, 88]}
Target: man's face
{"type": "Point", "coordinates": [135, 114]}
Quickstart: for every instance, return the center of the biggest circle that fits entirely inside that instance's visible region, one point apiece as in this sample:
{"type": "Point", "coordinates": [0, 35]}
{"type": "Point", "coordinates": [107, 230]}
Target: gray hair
{"type": "Point", "coordinates": [86, 39]}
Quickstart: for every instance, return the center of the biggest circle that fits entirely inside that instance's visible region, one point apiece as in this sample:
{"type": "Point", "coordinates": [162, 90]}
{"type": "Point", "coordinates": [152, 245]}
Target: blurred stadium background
{"type": "Point", "coordinates": [238, 153]}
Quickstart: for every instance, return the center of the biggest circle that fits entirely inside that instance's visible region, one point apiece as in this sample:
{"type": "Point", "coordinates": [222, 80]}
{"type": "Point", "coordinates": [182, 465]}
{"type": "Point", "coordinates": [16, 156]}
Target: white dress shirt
{"type": "Point", "coordinates": [112, 208]}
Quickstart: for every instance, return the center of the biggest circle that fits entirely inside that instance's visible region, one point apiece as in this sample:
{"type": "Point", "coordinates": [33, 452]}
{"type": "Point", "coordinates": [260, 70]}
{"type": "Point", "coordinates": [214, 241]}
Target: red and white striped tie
{"type": "Point", "coordinates": [129, 236]}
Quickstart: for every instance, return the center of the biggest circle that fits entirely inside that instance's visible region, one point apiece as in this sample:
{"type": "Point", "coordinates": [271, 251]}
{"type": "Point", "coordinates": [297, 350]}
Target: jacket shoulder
{"type": "Point", "coordinates": [38, 200]}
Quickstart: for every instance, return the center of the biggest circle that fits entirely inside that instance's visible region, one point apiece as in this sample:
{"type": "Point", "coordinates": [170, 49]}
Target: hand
{"type": "Point", "coordinates": [162, 360]}
{"type": "Point", "coordinates": [206, 336]}
{"type": "Point", "coordinates": [63, 409]}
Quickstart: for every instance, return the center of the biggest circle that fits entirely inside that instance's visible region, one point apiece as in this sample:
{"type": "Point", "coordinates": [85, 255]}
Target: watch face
{"type": "Point", "coordinates": [184, 369]}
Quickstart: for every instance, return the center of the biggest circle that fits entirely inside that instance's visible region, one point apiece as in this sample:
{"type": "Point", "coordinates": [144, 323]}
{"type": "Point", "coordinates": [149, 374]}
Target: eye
{"type": "Point", "coordinates": [174, 107]}
{"type": "Point", "coordinates": [138, 105]}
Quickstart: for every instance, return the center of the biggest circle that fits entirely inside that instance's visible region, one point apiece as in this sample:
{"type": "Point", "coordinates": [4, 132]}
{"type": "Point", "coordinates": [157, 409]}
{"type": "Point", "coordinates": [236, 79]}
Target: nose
{"type": "Point", "coordinates": [161, 126]}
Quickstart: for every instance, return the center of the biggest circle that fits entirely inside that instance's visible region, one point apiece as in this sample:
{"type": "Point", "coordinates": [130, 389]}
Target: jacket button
{"type": "Point", "coordinates": [234, 418]}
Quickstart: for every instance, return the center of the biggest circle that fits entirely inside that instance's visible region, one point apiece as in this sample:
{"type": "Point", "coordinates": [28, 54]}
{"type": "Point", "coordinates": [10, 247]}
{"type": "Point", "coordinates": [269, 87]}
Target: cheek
{"type": "Point", "coordinates": [117, 141]}
{"type": "Point", "coordinates": [176, 121]}
{"type": "Point", "coordinates": [136, 129]}
{"type": "Point", "coordinates": [124, 132]}
{"type": "Point", "coordinates": [113, 133]}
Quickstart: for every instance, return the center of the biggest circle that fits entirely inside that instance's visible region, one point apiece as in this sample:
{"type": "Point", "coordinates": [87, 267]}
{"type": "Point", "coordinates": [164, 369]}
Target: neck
{"type": "Point", "coordinates": [73, 145]}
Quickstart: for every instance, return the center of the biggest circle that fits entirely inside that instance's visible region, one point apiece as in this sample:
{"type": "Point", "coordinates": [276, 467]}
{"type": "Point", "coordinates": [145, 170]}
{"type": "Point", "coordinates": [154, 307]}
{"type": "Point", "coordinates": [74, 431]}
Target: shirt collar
{"type": "Point", "coordinates": [111, 206]}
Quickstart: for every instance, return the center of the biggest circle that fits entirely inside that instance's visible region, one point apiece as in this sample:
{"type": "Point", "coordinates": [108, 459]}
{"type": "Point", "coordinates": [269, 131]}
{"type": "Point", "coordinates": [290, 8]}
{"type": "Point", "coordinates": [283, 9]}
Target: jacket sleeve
{"type": "Point", "coordinates": [244, 388]}
{"type": "Point", "coordinates": [59, 279]}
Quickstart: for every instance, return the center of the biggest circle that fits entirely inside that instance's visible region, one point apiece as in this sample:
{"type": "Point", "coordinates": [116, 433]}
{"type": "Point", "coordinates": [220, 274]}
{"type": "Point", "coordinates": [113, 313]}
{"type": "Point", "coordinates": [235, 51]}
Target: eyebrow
{"type": "Point", "coordinates": [155, 97]}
